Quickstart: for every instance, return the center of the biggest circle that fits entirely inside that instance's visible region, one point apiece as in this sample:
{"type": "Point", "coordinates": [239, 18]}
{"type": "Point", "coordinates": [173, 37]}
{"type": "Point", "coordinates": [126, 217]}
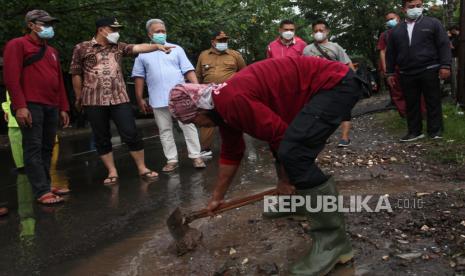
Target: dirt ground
{"type": "Point", "coordinates": [424, 235]}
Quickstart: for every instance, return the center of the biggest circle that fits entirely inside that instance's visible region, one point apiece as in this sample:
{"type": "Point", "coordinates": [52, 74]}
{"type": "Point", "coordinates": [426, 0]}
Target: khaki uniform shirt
{"type": "Point", "coordinates": [214, 67]}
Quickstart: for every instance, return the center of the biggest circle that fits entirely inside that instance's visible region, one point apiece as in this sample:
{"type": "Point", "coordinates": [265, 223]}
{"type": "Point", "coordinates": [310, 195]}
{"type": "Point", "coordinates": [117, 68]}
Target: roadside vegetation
{"type": "Point", "coordinates": [450, 150]}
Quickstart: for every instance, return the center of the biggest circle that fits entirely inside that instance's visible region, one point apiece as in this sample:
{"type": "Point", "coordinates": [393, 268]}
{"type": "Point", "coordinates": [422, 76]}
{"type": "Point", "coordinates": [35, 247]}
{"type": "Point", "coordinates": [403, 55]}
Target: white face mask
{"type": "Point", "coordinates": [319, 36]}
{"type": "Point", "coordinates": [414, 13]}
{"type": "Point", "coordinates": [221, 46]}
{"type": "Point", "coordinates": [288, 35]}
{"type": "Point", "coordinates": [113, 37]}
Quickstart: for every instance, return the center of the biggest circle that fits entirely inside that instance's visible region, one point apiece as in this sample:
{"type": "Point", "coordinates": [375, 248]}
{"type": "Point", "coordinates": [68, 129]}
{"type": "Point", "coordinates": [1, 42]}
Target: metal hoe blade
{"type": "Point", "coordinates": [186, 238]}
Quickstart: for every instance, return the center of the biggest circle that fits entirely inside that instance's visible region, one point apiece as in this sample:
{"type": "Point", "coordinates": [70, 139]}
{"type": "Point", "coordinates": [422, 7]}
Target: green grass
{"type": "Point", "coordinates": [450, 150]}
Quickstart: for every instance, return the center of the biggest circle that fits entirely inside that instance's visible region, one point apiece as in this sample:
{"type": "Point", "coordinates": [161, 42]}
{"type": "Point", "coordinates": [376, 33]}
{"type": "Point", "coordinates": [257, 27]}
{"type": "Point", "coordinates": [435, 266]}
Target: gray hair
{"type": "Point", "coordinates": [153, 21]}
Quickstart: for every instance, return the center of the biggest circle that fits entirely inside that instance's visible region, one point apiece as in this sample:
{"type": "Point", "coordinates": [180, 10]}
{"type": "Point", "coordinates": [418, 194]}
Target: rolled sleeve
{"type": "Point", "coordinates": [138, 70]}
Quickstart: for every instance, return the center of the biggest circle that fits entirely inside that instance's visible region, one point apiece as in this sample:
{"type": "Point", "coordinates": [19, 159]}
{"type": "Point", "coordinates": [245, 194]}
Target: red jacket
{"type": "Point", "coordinates": [263, 99]}
{"type": "Point", "coordinates": [41, 82]}
{"type": "Point", "coordinates": [276, 49]}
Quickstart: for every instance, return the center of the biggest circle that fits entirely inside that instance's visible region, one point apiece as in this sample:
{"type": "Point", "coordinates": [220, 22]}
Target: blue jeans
{"type": "Point", "coordinates": [38, 142]}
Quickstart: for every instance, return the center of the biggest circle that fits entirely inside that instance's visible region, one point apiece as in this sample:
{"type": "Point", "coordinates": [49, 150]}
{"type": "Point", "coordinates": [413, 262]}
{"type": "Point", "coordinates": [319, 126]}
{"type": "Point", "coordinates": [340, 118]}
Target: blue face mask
{"type": "Point", "coordinates": [221, 46]}
{"type": "Point", "coordinates": [159, 38]}
{"type": "Point", "coordinates": [391, 23]}
{"type": "Point", "coordinates": [46, 33]}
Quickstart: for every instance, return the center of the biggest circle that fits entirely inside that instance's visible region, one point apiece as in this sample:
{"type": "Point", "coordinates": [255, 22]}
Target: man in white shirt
{"type": "Point", "coordinates": [162, 73]}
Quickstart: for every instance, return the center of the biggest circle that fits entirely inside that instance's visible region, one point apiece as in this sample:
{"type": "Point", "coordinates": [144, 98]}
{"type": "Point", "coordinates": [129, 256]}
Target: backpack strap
{"type": "Point", "coordinates": [36, 57]}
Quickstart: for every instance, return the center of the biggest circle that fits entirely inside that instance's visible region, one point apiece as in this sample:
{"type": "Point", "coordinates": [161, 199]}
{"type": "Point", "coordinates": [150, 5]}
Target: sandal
{"type": "Point", "coordinates": [49, 199]}
{"type": "Point", "coordinates": [60, 191]}
{"type": "Point", "coordinates": [198, 163]}
{"type": "Point", "coordinates": [112, 180]}
{"type": "Point", "coordinates": [170, 166]}
{"type": "Point", "coordinates": [147, 175]}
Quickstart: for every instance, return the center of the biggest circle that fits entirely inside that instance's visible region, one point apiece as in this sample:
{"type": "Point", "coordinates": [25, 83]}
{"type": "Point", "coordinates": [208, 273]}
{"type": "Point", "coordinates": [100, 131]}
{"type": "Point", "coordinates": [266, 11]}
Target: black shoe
{"type": "Point", "coordinates": [344, 143]}
{"type": "Point", "coordinates": [411, 137]}
{"type": "Point", "coordinates": [436, 136]}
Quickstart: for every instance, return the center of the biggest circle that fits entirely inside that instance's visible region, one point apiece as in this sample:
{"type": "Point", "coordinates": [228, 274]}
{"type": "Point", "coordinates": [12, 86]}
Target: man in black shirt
{"type": "Point", "coordinates": [419, 46]}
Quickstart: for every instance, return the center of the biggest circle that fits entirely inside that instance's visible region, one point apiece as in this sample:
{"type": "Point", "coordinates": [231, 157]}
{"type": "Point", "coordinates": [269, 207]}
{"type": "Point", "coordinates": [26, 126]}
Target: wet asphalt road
{"type": "Point", "coordinates": [39, 240]}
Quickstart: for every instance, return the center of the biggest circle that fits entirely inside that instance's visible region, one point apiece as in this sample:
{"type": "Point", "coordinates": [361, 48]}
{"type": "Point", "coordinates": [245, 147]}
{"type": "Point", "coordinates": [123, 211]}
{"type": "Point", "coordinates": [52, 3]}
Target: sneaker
{"type": "Point", "coordinates": [344, 143]}
{"type": "Point", "coordinates": [198, 163]}
{"type": "Point", "coordinates": [411, 137]}
{"type": "Point", "coordinates": [437, 136]}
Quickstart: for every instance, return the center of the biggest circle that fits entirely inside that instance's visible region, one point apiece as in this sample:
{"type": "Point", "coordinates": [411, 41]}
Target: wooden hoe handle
{"type": "Point", "coordinates": [229, 205]}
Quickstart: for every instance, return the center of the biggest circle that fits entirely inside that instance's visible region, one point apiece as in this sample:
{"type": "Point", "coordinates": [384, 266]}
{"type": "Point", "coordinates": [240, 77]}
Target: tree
{"type": "Point", "coordinates": [251, 24]}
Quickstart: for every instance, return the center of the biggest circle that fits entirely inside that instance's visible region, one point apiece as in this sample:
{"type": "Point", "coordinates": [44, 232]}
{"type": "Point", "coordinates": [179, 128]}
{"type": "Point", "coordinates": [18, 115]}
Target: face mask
{"type": "Point", "coordinates": [414, 13]}
{"type": "Point", "coordinates": [319, 36]}
{"type": "Point", "coordinates": [46, 33]}
{"type": "Point", "coordinates": [288, 35]}
{"type": "Point", "coordinates": [391, 23]}
{"type": "Point", "coordinates": [221, 46]}
{"type": "Point", "coordinates": [159, 38]}
{"type": "Point", "coordinates": [113, 37]}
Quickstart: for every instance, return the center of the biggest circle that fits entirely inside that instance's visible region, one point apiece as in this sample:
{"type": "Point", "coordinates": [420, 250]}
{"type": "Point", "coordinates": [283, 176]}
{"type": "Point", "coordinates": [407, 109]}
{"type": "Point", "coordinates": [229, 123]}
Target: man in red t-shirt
{"type": "Point", "coordinates": [294, 104]}
{"type": "Point", "coordinates": [33, 77]}
{"type": "Point", "coordinates": [397, 96]}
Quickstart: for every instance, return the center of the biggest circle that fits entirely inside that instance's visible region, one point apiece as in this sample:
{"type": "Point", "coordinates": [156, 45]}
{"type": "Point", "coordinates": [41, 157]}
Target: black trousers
{"type": "Point", "coordinates": [427, 84]}
{"type": "Point", "coordinates": [38, 142]}
{"type": "Point", "coordinates": [306, 136]}
{"type": "Point", "coordinates": [123, 117]}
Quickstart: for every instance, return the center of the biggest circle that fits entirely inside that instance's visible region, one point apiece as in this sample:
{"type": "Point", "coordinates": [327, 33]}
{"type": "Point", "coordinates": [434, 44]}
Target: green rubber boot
{"type": "Point", "coordinates": [330, 244]}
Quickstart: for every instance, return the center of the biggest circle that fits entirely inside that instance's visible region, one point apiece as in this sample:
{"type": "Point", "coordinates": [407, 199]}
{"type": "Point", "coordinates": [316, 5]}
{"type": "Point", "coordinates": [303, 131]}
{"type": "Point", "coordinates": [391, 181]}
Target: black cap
{"type": "Point", "coordinates": [108, 22]}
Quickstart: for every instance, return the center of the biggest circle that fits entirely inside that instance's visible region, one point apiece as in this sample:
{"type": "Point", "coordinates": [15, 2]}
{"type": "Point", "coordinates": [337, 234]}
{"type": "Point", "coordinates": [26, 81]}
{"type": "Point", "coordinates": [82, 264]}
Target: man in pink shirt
{"type": "Point", "coordinates": [287, 44]}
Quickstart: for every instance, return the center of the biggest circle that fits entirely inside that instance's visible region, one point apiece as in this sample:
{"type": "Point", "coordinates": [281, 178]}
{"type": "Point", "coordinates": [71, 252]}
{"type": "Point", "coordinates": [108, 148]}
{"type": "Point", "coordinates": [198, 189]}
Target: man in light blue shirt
{"type": "Point", "coordinates": [162, 72]}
